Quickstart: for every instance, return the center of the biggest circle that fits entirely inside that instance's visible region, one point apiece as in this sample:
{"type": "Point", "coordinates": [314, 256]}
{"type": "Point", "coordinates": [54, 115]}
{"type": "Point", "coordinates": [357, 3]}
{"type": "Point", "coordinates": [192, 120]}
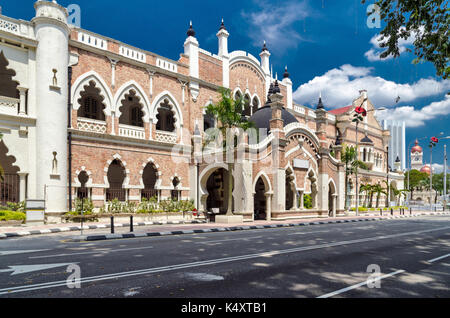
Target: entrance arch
{"type": "Point", "coordinates": [213, 188]}
{"type": "Point", "coordinates": [116, 177]}
{"type": "Point", "coordinates": [10, 180]}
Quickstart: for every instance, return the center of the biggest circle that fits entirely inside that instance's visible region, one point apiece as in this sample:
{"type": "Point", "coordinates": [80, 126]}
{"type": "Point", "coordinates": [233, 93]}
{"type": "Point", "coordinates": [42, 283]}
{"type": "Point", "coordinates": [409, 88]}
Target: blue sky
{"type": "Point", "coordinates": [326, 45]}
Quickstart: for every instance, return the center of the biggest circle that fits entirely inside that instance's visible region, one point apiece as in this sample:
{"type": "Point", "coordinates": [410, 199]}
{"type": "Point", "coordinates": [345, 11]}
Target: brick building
{"type": "Point", "coordinates": [84, 114]}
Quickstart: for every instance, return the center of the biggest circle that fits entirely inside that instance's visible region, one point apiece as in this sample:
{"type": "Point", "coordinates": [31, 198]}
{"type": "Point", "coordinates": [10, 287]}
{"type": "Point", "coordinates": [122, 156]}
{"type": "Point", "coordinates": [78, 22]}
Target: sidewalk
{"type": "Point", "coordinates": [102, 231]}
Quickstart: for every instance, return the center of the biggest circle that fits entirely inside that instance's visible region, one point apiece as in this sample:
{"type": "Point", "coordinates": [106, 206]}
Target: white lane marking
{"type": "Point", "coordinates": [343, 290]}
{"type": "Point", "coordinates": [302, 233]}
{"type": "Point", "coordinates": [438, 258]}
{"type": "Point", "coordinates": [237, 239]}
{"type": "Point", "coordinates": [2, 253]}
{"type": "Point", "coordinates": [23, 269]}
{"type": "Point", "coordinates": [93, 252]}
{"type": "Point", "coordinates": [20, 289]}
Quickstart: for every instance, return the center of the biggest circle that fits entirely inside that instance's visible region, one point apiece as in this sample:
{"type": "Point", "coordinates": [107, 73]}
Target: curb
{"type": "Point", "coordinates": [238, 228]}
{"type": "Point", "coordinates": [89, 227]}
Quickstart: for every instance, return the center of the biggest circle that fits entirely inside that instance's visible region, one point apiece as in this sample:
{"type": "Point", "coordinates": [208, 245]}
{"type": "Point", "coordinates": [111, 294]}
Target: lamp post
{"type": "Point", "coordinates": [433, 143]}
{"type": "Point", "coordinates": [388, 187]}
{"type": "Point", "coordinates": [445, 172]}
{"type": "Point", "coordinates": [360, 114]}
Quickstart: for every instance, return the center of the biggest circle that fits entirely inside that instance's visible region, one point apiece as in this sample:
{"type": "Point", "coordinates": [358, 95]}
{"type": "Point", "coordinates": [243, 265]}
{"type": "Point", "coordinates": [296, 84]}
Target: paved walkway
{"type": "Point", "coordinates": [97, 231]}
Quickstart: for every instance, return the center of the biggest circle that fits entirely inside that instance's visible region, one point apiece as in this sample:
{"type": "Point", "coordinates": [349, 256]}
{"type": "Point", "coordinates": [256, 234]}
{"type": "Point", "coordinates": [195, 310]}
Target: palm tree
{"type": "Point", "coordinates": [378, 190]}
{"type": "Point", "coordinates": [228, 114]}
{"type": "Point", "coordinates": [348, 155]}
{"type": "Point", "coordinates": [367, 188]}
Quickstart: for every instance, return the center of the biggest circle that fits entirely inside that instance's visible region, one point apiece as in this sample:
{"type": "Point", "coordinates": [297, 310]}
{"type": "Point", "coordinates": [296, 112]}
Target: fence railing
{"type": "Point", "coordinates": [149, 193]}
{"type": "Point", "coordinates": [10, 188]}
{"type": "Point", "coordinates": [119, 194]}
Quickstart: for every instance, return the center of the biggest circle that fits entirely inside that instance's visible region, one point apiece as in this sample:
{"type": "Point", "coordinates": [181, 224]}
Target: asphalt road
{"type": "Point", "coordinates": [316, 261]}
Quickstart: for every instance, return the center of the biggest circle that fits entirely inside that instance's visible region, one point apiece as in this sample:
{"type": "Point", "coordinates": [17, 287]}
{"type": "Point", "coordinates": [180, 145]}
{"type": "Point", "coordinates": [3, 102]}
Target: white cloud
{"type": "Point", "coordinates": [340, 86]}
{"type": "Point", "coordinates": [438, 168]}
{"type": "Point", "coordinates": [373, 55]}
{"type": "Point", "coordinates": [273, 24]}
{"type": "Point", "coordinates": [417, 117]}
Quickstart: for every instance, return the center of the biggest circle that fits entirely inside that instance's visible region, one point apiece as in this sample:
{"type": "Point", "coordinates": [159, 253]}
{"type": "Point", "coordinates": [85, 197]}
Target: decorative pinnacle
{"type": "Point", "coordinates": [191, 31]}
{"type": "Point", "coordinates": [286, 73]}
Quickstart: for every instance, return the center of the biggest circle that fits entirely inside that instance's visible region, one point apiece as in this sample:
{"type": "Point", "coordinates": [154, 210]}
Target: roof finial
{"type": "Point", "coordinates": [264, 47]}
{"type": "Point", "coordinates": [191, 31]}
{"type": "Point", "coordinates": [222, 26]}
{"type": "Point", "coordinates": [320, 104]}
{"type": "Point", "coordinates": [286, 73]}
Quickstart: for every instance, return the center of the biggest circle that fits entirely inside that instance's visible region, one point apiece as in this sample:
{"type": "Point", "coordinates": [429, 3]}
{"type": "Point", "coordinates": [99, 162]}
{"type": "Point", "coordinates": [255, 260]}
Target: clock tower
{"type": "Point", "coordinates": [416, 157]}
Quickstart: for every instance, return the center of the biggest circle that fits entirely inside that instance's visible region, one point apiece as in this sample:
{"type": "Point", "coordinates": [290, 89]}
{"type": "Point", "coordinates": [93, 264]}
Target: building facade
{"type": "Point", "coordinates": [83, 115]}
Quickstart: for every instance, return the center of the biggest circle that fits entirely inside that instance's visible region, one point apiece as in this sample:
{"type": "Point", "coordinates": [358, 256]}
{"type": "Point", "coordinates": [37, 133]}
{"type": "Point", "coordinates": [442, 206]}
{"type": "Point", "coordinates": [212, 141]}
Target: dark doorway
{"type": "Point", "coordinates": [260, 203]}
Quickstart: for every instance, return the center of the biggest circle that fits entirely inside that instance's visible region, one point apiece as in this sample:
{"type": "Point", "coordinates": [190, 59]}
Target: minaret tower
{"type": "Point", "coordinates": [223, 35]}
{"type": "Point", "coordinates": [52, 60]}
{"type": "Point", "coordinates": [416, 157]}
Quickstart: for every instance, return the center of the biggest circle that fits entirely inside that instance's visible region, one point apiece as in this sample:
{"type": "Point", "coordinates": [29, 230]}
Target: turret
{"type": "Point", "coordinates": [52, 60]}
{"type": "Point", "coordinates": [223, 35]}
{"type": "Point", "coordinates": [191, 50]}
{"type": "Point", "coordinates": [288, 83]}
{"type": "Point", "coordinates": [265, 62]}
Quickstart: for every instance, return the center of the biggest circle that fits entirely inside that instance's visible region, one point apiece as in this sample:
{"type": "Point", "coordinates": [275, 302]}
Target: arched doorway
{"type": "Point", "coordinates": [290, 188]}
{"type": "Point", "coordinates": [149, 178]}
{"type": "Point", "coordinates": [260, 202]}
{"type": "Point", "coordinates": [116, 177]}
{"type": "Point", "coordinates": [9, 178]}
{"type": "Point", "coordinates": [217, 191]}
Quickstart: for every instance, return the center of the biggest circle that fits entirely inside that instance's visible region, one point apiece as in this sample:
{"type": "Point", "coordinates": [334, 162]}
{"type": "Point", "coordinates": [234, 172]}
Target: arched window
{"type": "Point", "coordinates": [208, 122]}
{"type": "Point", "coordinates": [116, 177]}
{"type": "Point", "coordinates": [149, 177]}
{"type": "Point", "coordinates": [247, 108]}
{"type": "Point", "coordinates": [131, 110]}
{"type": "Point", "coordinates": [165, 117]}
{"type": "Point", "coordinates": [8, 87]}
{"type": "Point", "coordinates": [176, 194]}
{"type": "Point", "coordinates": [91, 105]}
{"type": "Point", "coordinates": [255, 105]}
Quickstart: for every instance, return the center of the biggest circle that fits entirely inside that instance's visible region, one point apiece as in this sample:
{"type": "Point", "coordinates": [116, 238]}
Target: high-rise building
{"type": "Point", "coordinates": [397, 143]}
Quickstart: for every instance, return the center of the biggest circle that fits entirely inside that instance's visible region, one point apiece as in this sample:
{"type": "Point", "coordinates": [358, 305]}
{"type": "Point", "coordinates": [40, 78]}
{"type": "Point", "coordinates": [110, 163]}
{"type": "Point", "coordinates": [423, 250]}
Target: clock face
{"type": "Point", "coordinates": [416, 159]}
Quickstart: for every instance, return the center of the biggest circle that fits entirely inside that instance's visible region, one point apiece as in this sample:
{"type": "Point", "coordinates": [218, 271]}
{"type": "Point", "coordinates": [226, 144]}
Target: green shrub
{"type": "Point", "coordinates": [307, 201]}
{"type": "Point", "coordinates": [86, 205]}
{"type": "Point", "coordinates": [12, 216]}
{"type": "Point", "coordinates": [12, 206]}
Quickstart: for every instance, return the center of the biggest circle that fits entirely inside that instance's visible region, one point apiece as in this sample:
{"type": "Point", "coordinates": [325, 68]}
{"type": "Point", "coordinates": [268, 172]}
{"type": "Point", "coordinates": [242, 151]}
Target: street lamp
{"type": "Point", "coordinates": [445, 173]}
{"type": "Point", "coordinates": [360, 114]}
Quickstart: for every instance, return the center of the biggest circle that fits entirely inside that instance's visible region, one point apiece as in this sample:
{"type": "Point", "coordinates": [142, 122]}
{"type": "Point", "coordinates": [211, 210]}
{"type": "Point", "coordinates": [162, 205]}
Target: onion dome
{"type": "Point", "coordinates": [416, 148]}
{"type": "Point", "coordinates": [264, 47]}
{"type": "Point", "coordinates": [222, 26]}
{"type": "Point", "coordinates": [286, 73]}
{"type": "Point", "coordinates": [426, 169]}
{"type": "Point", "coordinates": [263, 116]}
{"type": "Point", "coordinates": [366, 140]}
{"type": "Point", "coordinates": [191, 31]}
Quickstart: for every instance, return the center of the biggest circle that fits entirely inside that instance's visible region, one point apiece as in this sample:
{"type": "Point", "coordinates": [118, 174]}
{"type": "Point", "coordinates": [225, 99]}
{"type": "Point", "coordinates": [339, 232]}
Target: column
{"type": "Point", "coordinates": [23, 186]}
{"type": "Point", "coordinates": [269, 206]}
{"type": "Point", "coordinates": [334, 204]}
{"type": "Point", "coordinates": [302, 200]}
{"type": "Point", "coordinates": [22, 104]}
